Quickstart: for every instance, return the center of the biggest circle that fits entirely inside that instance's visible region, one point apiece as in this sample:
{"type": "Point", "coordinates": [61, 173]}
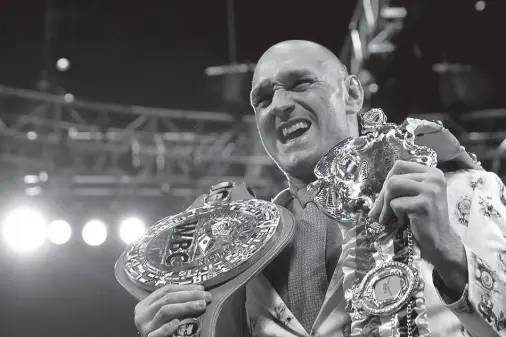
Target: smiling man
{"type": "Point", "coordinates": [305, 103]}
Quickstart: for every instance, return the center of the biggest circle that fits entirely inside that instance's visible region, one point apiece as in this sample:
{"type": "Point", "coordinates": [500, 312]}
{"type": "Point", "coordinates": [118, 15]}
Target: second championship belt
{"type": "Point", "coordinates": [221, 241]}
{"type": "Point", "coordinates": [380, 264]}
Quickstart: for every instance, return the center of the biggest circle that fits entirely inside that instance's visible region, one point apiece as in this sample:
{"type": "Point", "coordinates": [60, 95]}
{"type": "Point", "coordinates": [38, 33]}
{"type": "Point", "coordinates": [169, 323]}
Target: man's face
{"type": "Point", "coordinates": [300, 109]}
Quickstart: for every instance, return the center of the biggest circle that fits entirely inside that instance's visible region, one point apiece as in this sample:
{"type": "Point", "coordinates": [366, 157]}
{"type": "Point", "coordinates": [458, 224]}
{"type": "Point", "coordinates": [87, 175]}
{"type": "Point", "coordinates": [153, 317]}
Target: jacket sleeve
{"type": "Point", "coordinates": [476, 204]}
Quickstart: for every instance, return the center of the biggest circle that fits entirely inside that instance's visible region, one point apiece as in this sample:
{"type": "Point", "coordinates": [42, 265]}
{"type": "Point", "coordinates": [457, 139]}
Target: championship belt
{"type": "Point", "coordinates": [379, 263]}
{"type": "Point", "coordinates": [221, 241]}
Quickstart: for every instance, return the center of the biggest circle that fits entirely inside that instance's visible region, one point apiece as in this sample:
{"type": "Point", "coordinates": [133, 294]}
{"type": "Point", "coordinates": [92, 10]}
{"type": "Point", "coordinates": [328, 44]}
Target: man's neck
{"type": "Point", "coordinates": [300, 182]}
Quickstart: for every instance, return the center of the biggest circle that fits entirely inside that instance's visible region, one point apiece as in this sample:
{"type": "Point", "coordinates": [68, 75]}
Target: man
{"type": "Point", "coordinates": [305, 103]}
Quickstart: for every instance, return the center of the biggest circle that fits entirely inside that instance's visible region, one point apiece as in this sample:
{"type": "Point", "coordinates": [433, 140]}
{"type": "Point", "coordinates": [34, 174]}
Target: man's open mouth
{"type": "Point", "coordinates": [293, 130]}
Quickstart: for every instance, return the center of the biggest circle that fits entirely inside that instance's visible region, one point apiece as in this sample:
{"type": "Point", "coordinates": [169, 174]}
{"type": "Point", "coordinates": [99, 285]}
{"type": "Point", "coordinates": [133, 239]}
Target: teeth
{"type": "Point", "coordinates": [295, 127]}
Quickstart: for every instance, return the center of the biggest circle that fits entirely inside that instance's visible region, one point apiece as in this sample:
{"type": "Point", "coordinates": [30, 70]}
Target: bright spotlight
{"type": "Point", "coordinates": [131, 229]}
{"type": "Point", "coordinates": [43, 177]}
{"type": "Point", "coordinates": [59, 232]}
{"type": "Point", "coordinates": [31, 179]}
{"type": "Point", "coordinates": [24, 229]}
{"type": "Point", "coordinates": [33, 191]}
{"type": "Point", "coordinates": [480, 5]}
{"type": "Point", "coordinates": [373, 88]}
{"type": "Point", "coordinates": [32, 135]}
{"type": "Point", "coordinates": [63, 64]}
{"type": "Point", "coordinates": [69, 98]}
{"type": "Point", "coordinates": [94, 233]}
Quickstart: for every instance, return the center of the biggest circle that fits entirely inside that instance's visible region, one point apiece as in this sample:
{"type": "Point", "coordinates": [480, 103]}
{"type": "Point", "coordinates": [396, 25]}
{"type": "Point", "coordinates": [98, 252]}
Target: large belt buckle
{"type": "Point", "coordinates": [204, 245]}
{"type": "Point", "coordinates": [350, 177]}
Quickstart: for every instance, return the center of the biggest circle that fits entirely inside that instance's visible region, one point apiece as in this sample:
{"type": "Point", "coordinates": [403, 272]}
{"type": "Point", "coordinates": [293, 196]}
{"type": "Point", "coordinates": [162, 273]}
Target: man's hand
{"type": "Point", "coordinates": [417, 193]}
{"type": "Point", "coordinates": [159, 314]}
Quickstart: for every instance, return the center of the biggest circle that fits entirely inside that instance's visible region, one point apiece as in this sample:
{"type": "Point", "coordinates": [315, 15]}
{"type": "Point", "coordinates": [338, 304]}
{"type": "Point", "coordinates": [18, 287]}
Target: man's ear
{"type": "Point", "coordinates": [354, 97]}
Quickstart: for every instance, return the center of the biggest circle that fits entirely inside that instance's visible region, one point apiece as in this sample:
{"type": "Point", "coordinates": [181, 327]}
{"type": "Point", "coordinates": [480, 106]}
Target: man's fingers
{"type": "Point", "coordinates": [166, 330]}
{"type": "Point", "coordinates": [159, 293]}
{"type": "Point", "coordinates": [398, 187]}
{"type": "Point", "coordinates": [178, 310]}
{"type": "Point", "coordinates": [403, 167]}
{"type": "Point", "coordinates": [397, 207]}
{"type": "Point", "coordinates": [377, 207]}
{"type": "Point", "coordinates": [404, 205]}
{"type": "Point", "coordinates": [411, 176]}
{"type": "Point", "coordinates": [182, 297]}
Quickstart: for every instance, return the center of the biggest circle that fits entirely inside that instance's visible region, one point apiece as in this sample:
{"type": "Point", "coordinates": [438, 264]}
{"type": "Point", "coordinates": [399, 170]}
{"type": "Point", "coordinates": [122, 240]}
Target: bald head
{"type": "Point", "coordinates": [312, 54]}
{"type": "Point", "coordinates": [305, 103]}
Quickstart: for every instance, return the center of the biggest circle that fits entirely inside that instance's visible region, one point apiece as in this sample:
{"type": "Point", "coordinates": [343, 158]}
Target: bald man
{"type": "Point", "coordinates": [305, 103]}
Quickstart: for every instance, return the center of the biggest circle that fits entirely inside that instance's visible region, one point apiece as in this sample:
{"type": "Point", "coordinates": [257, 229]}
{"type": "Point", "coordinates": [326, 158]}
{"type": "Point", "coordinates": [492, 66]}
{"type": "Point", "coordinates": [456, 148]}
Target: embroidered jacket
{"type": "Point", "coordinates": [477, 212]}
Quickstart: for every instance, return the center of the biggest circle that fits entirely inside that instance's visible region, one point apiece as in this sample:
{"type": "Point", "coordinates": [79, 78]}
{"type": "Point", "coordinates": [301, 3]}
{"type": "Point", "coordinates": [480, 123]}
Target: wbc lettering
{"type": "Point", "coordinates": [180, 243]}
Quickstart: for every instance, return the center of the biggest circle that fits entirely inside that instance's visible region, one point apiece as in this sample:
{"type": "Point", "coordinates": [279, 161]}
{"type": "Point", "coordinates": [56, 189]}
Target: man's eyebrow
{"type": "Point", "coordinates": [295, 74]}
{"type": "Point", "coordinates": [285, 75]}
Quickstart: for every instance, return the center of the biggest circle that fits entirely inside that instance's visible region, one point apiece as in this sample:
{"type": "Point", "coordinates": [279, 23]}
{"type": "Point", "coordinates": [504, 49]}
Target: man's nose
{"type": "Point", "coordinates": [282, 104]}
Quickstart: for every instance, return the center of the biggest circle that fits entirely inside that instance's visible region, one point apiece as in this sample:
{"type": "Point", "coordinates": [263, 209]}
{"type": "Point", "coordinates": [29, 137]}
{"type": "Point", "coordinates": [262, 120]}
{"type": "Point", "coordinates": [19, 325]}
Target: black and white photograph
{"type": "Point", "coordinates": [235, 168]}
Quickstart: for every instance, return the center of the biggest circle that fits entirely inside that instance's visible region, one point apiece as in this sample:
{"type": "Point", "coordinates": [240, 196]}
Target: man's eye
{"type": "Point", "coordinates": [264, 101]}
{"type": "Point", "coordinates": [301, 84]}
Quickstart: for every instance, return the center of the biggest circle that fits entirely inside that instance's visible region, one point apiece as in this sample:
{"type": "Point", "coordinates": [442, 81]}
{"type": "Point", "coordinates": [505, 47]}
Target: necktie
{"type": "Point", "coordinates": [307, 273]}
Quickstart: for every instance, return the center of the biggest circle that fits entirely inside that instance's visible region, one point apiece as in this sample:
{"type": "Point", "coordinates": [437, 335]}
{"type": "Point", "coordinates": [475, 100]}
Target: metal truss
{"type": "Point", "coordinates": [490, 141]}
{"type": "Point", "coordinates": [100, 149]}
{"type": "Point", "coordinates": [367, 49]}
{"type": "Point", "coordinates": [373, 26]}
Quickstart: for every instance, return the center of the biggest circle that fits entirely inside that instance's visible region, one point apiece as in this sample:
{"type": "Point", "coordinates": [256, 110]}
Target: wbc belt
{"type": "Point", "coordinates": [221, 241]}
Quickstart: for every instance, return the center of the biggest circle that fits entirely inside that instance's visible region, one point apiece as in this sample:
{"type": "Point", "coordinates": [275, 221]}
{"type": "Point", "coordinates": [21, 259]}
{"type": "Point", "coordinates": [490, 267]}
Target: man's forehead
{"type": "Point", "coordinates": [275, 68]}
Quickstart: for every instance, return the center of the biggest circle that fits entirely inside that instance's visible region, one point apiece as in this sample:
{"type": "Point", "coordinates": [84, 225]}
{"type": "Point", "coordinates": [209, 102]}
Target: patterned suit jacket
{"type": "Point", "coordinates": [477, 212]}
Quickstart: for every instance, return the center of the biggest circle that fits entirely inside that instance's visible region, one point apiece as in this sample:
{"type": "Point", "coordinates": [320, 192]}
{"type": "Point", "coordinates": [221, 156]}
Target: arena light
{"type": "Point", "coordinates": [31, 179]}
{"type": "Point", "coordinates": [373, 88]}
{"type": "Point", "coordinates": [24, 229]}
{"type": "Point", "coordinates": [480, 5]}
{"type": "Point", "coordinates": [59, 232]}
{"type": "Point", "coordinates": [32, 135]}
{"type": "Point", "coordinates": [43, 176]}
{"type": "Point", "coordinates": [33, 191]}
{"type": "Point", "coordinates": [68, 97]}
{"type": "Point", "coordinates": [131, 229]}
{"type": "Point", "coordinates": [63, 64]}
{"type": "Point", "coordinates": [94, 232]}
{"type": "Point", "coordinates": [391, 13]}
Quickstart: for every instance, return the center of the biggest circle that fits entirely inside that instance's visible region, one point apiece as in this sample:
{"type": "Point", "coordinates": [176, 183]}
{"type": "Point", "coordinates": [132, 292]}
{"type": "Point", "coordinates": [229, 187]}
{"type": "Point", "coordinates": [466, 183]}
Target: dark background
{"type": "Point", "coordinates": [155, 53]}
